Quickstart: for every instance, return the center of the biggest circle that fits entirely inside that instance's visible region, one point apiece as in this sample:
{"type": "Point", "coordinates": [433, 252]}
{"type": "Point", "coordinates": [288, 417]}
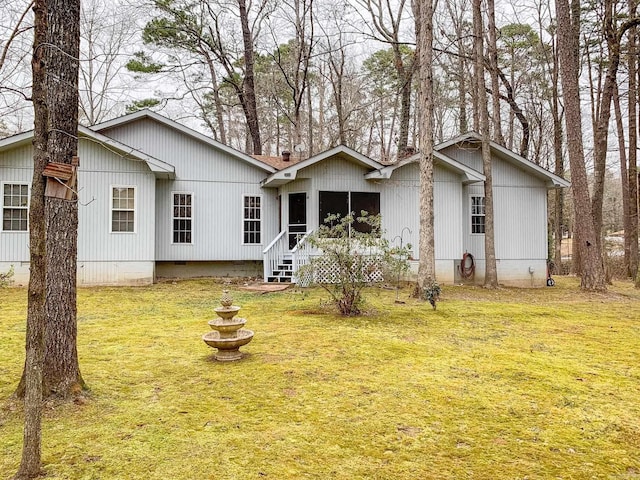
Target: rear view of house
{"type": "Point", "coordinates": [158, 199]}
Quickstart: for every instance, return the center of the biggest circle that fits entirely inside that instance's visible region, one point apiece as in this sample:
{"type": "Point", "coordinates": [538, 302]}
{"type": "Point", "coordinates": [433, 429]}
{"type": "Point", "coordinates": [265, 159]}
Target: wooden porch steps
{"type": "Point", "coordinates": [282, 274]}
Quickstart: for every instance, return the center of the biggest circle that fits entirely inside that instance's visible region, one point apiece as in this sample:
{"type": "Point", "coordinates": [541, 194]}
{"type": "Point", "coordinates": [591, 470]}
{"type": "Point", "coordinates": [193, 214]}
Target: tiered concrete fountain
{"type": "Point", "coordinates": [227, 335]}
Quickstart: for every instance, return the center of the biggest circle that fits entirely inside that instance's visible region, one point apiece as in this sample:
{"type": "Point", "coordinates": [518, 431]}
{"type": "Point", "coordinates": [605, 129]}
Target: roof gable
{"type": "Point", "coordinates": [469, 174]}
{"type": "Point", "coordinates": [148, 114]}
{"type": "Point", "coordinates": [551, 180]}
{"type": "Point", "coordinates": [290, 173]}
{"type": "Point", "coordinates": [158, 167]}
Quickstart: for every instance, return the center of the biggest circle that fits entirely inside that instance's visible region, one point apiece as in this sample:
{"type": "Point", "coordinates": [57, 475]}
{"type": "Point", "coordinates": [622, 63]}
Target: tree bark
{"type": "Point", "coordinates": [36, 321]}
{"type": "Point", "coordinates": [493, 63]}
{"type": "Point", "coordinates": [624, 175]}
{"type": "Point", "coordinates": [591, 267]}
{"type": "Point", "coordinates": [61, 371]}
{"type": "Point", "coordinates": [613, 37]}
{"type": "Point", "coordinates": [631, 179]}
{"type": "Point", "coordinates": [248, 83]}
{"type": "Point", "coordinates": [491, 272]}
{"type": "Point", "coordinates": [559, 159]}
{"type": "Point", "coordinates": [427, 264]}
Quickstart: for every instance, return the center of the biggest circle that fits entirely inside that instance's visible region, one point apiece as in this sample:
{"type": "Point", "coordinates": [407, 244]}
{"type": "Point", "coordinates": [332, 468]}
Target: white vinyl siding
{"type": "Point", "coordinates": [123, 211]}
{"type": "Point", "coordinates": [182, 217]}
{"type": "Point", "coordinates": [15, 207]}
{"type": "Point", "coordinates": [477, 215]}
{"type": "Point", "coordinates": [251, 219]}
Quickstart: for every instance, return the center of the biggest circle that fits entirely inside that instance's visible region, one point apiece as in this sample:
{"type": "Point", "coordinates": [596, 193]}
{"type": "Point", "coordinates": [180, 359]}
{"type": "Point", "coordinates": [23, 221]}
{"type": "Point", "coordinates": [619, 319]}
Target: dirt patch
{"type": "Point", "coordinates": [265, 287]}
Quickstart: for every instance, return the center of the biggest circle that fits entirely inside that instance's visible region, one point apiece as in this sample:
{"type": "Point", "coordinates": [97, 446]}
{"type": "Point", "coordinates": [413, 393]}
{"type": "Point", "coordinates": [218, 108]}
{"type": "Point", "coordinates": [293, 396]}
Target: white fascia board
{"type": "Point", "coordinates": [470, 175]}
{"type": "Point", "coordinates": [552, 180]}
{"type": "Point", "coordinates": [290, 173]}
{"type": "Point", "coordinates": [158, 167]}
{"type": "Point", "coordinates": [16, 140]}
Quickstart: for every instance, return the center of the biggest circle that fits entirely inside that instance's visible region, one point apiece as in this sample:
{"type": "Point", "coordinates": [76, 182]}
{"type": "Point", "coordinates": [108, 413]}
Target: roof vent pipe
{"type": "Point", "coordinates": [286, 155]}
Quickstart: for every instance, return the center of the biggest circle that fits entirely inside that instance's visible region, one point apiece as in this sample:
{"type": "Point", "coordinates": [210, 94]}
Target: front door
{"type": "Point", "coordinates": [297, 217]}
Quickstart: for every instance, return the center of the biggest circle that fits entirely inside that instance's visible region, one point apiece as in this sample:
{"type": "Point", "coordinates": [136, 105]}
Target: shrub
{"type": "Point", "coordinates": [6, 279]}
{"type": "Point", "coordinates": [349, 260]}
{"type": "Point", "coordinates": [431, 293]}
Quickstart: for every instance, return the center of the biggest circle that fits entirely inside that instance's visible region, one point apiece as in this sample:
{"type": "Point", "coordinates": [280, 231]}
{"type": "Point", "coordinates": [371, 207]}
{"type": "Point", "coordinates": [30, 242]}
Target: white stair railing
{"type": "Point", "coordinates": [300, 255]}
{"type": "Point", "coordinates": [272, 255]}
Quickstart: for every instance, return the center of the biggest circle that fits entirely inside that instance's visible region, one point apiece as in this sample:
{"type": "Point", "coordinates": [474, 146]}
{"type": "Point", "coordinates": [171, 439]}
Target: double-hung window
{"type": "Point", "coordinates": [15, 207]}
{"type": "Point", "coordinates": [123, 209]}
{"type": "Point", "coordinates": [182, 217]}
{"type": "Point", "coordinates": [251, 219]}
{"type": "Point", "coordinates": [477, 214]}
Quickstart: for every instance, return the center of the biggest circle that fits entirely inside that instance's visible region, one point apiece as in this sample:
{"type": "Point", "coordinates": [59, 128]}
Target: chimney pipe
{"type": "Point", "coordinates": [286, 155]}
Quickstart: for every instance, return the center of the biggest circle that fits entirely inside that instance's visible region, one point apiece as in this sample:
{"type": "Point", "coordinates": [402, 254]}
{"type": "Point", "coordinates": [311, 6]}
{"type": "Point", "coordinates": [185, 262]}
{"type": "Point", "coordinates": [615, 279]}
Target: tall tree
{"type": "Point", "coordinates": [591, 267]}
{"type": "Point", "coordinates": [294, 61]}
{"type": "Point", "coordinates": [386, 19]}
{"type": "Point", "coordinates": [51, 318]}
{"type": "Point", "coordinates": [106, 30]}
{"type": "Point", "coordinates": [15, 22]}
{"type": "Point", "coordinates": [427, 265]}
{"type": "Point", "coordinates": [613, 35]}
{"type": "Point", "coordinates": [203, 31]}
{"type": "Point", "coordinates": [491, 272]}
{"type": "Point", "coordinates": [61, 371]}
{"type": "Point", "coordinates": [493, 66]}
{"type": "Point", "coordinates": [36, 320]}
{"type": "Point", "coordinates": [631, 177]}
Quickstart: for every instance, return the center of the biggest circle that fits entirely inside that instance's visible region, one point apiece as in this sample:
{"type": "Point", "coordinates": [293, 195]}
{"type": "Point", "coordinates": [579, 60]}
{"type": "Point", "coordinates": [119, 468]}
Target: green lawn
{"type": "Point", "coordinates": [513, 384]}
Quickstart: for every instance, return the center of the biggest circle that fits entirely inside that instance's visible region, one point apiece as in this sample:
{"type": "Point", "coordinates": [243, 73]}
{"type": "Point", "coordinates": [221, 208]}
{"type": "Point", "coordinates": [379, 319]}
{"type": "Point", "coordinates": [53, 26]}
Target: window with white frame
{"type": "Point", "coordinates": [251, 219]}
{"type": "Point", "coordinates": [477, 214]}
{"type": "Point", "coordinates": [182, 217]}
{"type": "Point", "coordinates": [15, 207]}
{"type": "Point", "coordinates": [123, 209]}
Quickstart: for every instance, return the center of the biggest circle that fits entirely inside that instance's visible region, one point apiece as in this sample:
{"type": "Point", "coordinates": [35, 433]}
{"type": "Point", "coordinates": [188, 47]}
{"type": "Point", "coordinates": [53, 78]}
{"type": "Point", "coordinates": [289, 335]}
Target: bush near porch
{"type": "Point", "coordinates": [506, 384]}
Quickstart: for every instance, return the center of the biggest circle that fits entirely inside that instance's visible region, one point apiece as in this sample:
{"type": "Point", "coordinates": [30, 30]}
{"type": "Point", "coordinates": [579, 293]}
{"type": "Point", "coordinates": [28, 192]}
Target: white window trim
{"type": "Point", "coordinates": [242, 219]}
{"type": "Point", "coordinates": [135, 209]}
{"type": "Point", "coordinates": [193, 198]}
{"type": "Point", "coordinates": [471, 215]}
{"type": "Point", "coordinates": [2, 206]}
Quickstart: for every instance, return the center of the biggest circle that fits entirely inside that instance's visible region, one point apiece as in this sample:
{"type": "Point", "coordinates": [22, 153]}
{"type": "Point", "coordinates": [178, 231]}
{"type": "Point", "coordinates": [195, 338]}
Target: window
{"type": "Point", "coordinates": [123, 202]}
{"type": "Point", "coordinates": [344, 202]}
{"type": "Point", "coordinates": [182, 217]}
{"type": "Point", "coordinates": [15, 207]}
{"type": "Point", "coordinates": [370, 203]}
{"type": "Point", "coordinates": [252, 220]}
{"type": "Point", "coordinates": [477, 214]}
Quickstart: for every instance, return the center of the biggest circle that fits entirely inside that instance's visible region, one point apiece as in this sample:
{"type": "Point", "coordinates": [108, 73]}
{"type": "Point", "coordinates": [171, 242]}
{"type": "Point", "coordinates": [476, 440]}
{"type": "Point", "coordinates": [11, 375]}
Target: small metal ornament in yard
{"type": "Point", "coordinates": [227, 335]}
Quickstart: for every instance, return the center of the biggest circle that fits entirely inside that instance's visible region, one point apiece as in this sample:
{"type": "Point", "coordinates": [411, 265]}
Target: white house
{"type": "Point", "coordinates": [158, 199]}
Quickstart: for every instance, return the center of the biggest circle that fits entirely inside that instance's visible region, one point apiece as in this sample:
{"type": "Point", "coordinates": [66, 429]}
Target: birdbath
{"type": "Point", "coordinates": [227, 334]}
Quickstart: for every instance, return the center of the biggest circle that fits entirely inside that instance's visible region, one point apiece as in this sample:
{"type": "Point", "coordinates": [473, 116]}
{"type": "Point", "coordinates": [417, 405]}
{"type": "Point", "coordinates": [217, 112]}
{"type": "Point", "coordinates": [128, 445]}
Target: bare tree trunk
{"type": "Point", "coordinates": [559, 160]}
{"type": "Point", "coordinates": [427, 265]}
{"type": "Point", "coordinates": [491, 272]}
{"type": "Point", "coordinates": [61, 371]}
{"type": "Point", "coordinates": [36, 321]}
{"type": "Point", "coordinates": [593, 277]}
{"type": "Point", "coordinates": [248, 83]}
{"type": "Point", "coordinates": [493, 63]}
{"type": "Point", "coordinates": [631, 223]}
{"type": "Point", "coordinates": [217, 102]}
{"type": "Point", "coordinates": [61, 368]}
{"type": "Point", "coordinates": [613, 36]}
{"type": "Point", "coordinates": [622, 147]}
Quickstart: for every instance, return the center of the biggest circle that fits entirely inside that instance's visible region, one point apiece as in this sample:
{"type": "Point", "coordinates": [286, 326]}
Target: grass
{"type": "Point", "coordinates": [513, 384]}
